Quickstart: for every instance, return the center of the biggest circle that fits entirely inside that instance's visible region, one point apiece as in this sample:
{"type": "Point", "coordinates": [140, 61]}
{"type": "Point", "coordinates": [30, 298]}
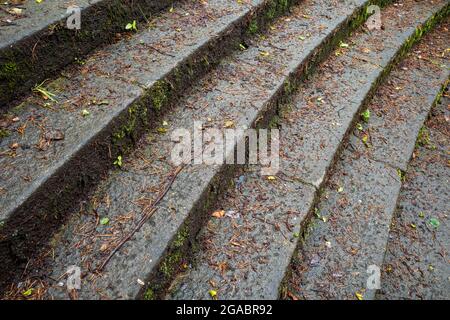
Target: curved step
{"type": "Point", "coordinates": [240, 90]}
{"type": "Point", "coordinates": [35, 42]}
{"type": "Point", "coordinates": [247, 257]}
{"type": "Point", "coordinates": [416, 262]}
{"type": "Point", "coordinates": [53, 153]}
{"type": "Point", "coordinates": [343, 251]}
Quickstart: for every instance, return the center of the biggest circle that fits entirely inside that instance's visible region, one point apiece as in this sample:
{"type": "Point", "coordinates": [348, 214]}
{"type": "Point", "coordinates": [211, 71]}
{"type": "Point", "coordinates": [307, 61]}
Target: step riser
{"type": "Point", "coordinates": [78, 176]}
{"type": "Point", "coordinates": [264, 291]}
{"type": "Point", "coordinates": [40, 55]}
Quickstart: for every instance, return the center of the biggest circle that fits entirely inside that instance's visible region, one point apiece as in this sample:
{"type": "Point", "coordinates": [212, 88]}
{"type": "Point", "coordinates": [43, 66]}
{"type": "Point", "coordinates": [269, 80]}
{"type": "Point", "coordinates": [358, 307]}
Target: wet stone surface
{"type": "Point", "coordinates": [243, 253]}
{"type": "Point", "coordinates": [238, 263]}
{"type": "Point", "coordinates": [93, 94]}
{"type": "Point", "coordinates": [354, 214]}
{"type": "Point", "coordinates": [237, 91]}
{"type": "Point", "coordinates": [416, 265]}
{"type": "Point", "coordinates": [331, 99]}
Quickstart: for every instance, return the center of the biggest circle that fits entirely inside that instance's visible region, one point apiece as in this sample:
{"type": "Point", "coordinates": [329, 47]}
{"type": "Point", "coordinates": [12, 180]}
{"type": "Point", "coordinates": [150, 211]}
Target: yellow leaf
{"type": "Point", "coordinates": [213, 294]}
{"type": "Point", "coordinates": [359, 296]}
{"type": "Point", "coordinates": [218, 214]}
{"type": "Point", "coordinates": [28, 292]}
{"type": "Point", "coordinates": [264, 53]}
{"type": "Point", "coordinates": [271, 178]}
{"type": "Point", "coordinates": [229, 124]}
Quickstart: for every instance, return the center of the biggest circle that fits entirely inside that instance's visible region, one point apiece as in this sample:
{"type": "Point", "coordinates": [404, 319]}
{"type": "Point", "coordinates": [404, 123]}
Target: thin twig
{"type": "Point", "coordinates": [145, 217]}
{"type": "Point", "coordinates": [159, 51]}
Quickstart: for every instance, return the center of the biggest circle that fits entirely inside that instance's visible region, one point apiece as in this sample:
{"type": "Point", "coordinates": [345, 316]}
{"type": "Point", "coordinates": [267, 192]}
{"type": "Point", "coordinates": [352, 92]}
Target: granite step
{"type": "Point", "coordinates": [342, 253]}
{"type": "Point", "coordinates": [242, 91]}
{"type": "Point", "coordinates": [245, 252]}
{"type": "Point", "coordinates": [53, 153]}
{"type": "Point", "coordinates": [35, 41]}
{"type": "Point", "coordinates": [416, 261]}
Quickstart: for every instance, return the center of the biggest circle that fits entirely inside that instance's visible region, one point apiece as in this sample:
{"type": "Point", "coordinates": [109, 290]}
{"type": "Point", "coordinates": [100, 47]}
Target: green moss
{"type": "Point", "coordinates": [283, 5]}
{"type": "Point", "coordinates": [181, 237]}
{"type": "Point", "coordinates": [159, 94]}
{"type": "Point", "coordinates": [253, 27]}
{"type": "Point", "coordinates": [289, 87]}
{"type": "Point", "coordinates": [423, 139]}
{"type": "Point", "coordinates": [149, 294]}
{"type": "Point", "coordinates": [271, 11]}
{"type": "Point", "coordinates": [171, 263]}
{"type": "Point", "coordinates": [276, 8]}
{"type": "Point", "coordinates": [9, 68]}
{"type": "Point", "coordinates": [10, 74]}
{"type": "Point", "coordinates": [4, 133]}
{"type": "Point", "coordinates": [401, 174]}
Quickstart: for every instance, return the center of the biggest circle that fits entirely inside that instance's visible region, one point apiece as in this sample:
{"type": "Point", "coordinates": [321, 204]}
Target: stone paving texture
{"type": "Point", "coordinates": [355, 211]}
{"type": "Point", "coordinates": [416, 265]}
{"type": "Point", "coordinates": [246, 257]}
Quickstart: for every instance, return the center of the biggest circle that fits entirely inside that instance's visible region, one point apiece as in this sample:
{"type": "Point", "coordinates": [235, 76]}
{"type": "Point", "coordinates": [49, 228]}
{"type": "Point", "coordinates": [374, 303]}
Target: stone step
{"type": "Point", "coordinates": [342, 253]}
{"type": "Point", "coordinates": [35, 41]}
{"type": "Point", "coordinates": [245, 254]}
{"type": "Point", "coordinates": [241, 91]}
{"type": "Point", "coordinates": [416, 261]}
{"type": "Point", "coordinates": [52, 153]}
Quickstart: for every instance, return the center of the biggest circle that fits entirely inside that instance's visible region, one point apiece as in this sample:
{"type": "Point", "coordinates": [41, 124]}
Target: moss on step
{"type": "Point", "coordinates": [159, 94]}
{"type": "Point", "coordinates": [253, 27]}
{"type": "Point", "coordinates": [4, 133]}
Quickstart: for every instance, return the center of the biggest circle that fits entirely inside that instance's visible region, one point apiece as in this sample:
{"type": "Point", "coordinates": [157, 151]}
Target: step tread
{"type": "Point", "coordinates": [414, 267]}
{"type": "Point", "coordinates": [222, 95]}
{"type": "Point", "coordinates": [118, 75]}
{"type": "Point", "coordinates": [34, 17]}
{"type": "Point", "coordinates": [263, 241]}
{"type": "Point", "coordinates": [360, 198]}
{"type": "Point", "coordinates": [36, 43]}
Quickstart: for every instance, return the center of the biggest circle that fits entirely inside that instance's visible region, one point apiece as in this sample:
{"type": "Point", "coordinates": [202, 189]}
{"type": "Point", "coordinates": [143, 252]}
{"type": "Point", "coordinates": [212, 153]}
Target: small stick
{"type": "Point", "coordinates": [143, 219]}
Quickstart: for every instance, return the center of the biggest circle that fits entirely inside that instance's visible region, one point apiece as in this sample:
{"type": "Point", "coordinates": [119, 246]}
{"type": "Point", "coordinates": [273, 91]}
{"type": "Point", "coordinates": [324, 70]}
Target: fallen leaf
{"type": "Point", "coordinates": [434, 222]}
{"type": "Point", "coordinates": [292, 296]}
{"type": "Point", "coordinates": [229, 124]}
{"type": "Point", "coordinates": [54, 135]}
{"type": "Point", "coordinates": [218, 214]}
{"type": "Point", "coordinates": [28, 292]}
{"type": "Point", "coordinates": [213, 294]}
